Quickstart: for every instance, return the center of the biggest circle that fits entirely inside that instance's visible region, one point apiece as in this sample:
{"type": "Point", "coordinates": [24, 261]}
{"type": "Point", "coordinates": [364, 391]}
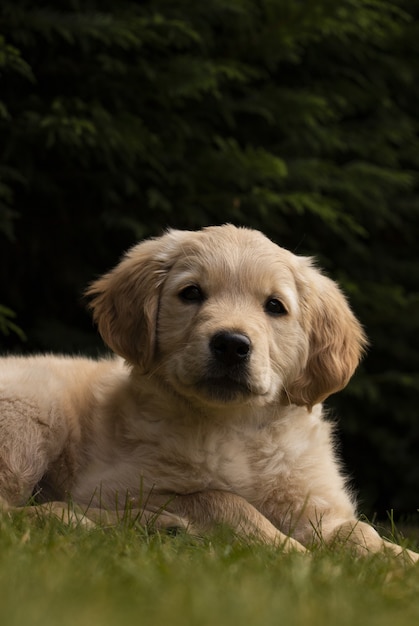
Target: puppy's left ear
{"type": "Point", "coordinates": [125, 301]}
{"type": "Point", "coordinates": [336, 340]}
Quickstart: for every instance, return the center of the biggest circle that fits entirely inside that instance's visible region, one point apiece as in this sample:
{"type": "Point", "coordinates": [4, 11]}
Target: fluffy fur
{"type": "Point", "coordinates": [210, 412]}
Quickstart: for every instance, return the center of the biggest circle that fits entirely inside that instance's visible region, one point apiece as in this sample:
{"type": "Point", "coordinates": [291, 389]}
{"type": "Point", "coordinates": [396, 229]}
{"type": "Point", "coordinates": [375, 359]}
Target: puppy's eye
{"type": "Point", "coordinates": [273, 306]}
{"type": "Point", "coordinates": [192, 293]}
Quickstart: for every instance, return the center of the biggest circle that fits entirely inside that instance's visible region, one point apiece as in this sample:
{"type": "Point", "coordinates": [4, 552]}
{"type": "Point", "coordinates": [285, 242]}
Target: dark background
{"type": "Point", "coordinates": [296, 117]}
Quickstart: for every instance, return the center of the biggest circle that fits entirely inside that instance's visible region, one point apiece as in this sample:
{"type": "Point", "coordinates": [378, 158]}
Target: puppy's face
{"type": "Point", "coordinates": [224, 316]}
{"type": "Point", "coordinates": [229, 326]}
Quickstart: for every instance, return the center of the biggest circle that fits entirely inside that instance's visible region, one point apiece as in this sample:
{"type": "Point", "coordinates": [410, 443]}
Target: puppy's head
{"type": "Point", "coordinates": [223, 315]}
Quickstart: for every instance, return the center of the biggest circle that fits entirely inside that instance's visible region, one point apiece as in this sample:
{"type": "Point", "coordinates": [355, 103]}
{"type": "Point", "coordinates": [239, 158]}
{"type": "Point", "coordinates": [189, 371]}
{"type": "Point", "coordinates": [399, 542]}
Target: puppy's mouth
{"type": "Point", "coordinates": [222, 386]}
{"type": "Point", "coordinates": [225, 388]}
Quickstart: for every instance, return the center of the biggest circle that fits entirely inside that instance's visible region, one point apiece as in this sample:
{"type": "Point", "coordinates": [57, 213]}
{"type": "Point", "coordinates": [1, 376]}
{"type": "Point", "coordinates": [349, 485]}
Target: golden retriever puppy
{"type": "Point", "coordinates": [211, 412]}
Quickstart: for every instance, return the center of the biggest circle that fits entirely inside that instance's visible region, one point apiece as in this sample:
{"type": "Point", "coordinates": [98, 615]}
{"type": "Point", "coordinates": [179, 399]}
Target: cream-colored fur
{"type": "Point", "coordinates": [211, 412]}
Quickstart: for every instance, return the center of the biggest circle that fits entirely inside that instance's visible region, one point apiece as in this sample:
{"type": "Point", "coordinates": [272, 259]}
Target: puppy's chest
{"type": "Point", "coordinates": [227, 460]}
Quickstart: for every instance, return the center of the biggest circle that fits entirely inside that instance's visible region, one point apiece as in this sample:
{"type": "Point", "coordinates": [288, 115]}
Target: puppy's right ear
{"type": "Point", "coordinates": [125, 300]}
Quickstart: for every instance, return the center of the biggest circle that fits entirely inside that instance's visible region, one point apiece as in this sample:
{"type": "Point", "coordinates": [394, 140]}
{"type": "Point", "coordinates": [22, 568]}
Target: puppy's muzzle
{"type": "Point", "coordinates": [231, 349]}
{"type": "Point", "coordinates": [227, 376]}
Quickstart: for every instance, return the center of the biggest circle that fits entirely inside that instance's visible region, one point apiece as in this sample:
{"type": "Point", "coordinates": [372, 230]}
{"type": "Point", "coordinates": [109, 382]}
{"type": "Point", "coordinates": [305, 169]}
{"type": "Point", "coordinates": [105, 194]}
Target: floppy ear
{"type": "Point", "coordinates": [125, 300]}
{"type": "Point", "coordinates": [336, 341]}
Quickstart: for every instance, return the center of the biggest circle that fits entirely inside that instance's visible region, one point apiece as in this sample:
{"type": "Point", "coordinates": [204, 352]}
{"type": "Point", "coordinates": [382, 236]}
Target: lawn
{"type": "Point", "coordinates": [54, 575]}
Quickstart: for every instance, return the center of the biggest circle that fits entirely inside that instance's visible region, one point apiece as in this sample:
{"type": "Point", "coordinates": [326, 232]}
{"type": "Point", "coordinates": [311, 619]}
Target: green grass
{"type": "Point", "coordinates": [53, 575]}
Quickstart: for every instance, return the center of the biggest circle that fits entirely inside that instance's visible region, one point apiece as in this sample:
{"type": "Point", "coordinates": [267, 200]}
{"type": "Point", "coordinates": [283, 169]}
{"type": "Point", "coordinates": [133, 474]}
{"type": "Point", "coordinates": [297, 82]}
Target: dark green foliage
{"type": "Point", "coordinates": [298, 117]}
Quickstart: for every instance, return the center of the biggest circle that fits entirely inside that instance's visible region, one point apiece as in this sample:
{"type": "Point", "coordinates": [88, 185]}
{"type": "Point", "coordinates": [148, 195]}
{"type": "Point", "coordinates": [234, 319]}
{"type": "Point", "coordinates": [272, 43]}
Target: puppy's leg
{"type": "Point", "coordinates": [155, 518]}
{"type": "Point", "coordinates": [26, 442]}
{"type": "Point", "coordinates": [68, 513]}
{"type": "Point", "coordinates": [365, 539]}
{"type": "Point", "coordinates": [207, 509]}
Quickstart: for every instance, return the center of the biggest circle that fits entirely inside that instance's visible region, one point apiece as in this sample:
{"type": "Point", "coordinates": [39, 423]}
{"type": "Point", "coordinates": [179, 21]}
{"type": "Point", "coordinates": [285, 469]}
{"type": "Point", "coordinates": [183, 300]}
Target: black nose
{"type": "Point", "coordinates": [230, 348]}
